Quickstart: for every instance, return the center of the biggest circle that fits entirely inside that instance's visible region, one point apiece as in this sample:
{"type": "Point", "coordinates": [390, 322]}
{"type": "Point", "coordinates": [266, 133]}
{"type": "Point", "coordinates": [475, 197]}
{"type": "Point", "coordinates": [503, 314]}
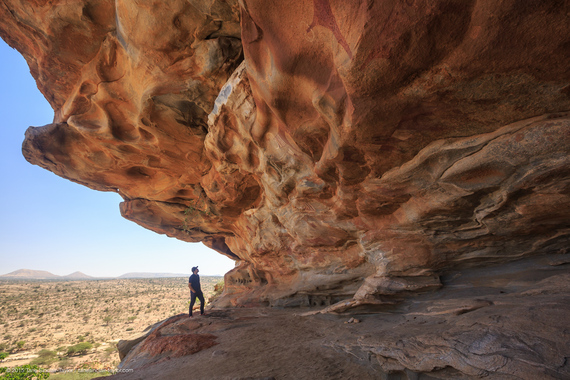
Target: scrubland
{"type": "Point", "coordinates": [76, 324]}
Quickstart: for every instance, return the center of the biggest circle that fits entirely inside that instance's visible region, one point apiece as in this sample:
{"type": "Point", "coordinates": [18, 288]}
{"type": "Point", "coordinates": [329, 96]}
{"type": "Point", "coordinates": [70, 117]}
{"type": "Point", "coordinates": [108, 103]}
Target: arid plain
{"type": "Point", "coordinates": [76, 324]}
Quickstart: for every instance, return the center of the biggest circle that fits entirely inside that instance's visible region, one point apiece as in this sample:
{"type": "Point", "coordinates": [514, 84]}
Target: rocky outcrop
{"type": "Point", "coordinates": [387, 141]}
{"type": "Point", "coordinates": [506, 321]}
{"type": "Point", "coordinates": [410, 144]}
{"type": "Point", "coordinates": [336, 150]}
{"type": "Point", "coordinates": [345, 154]}
{"type": "Point", "coordinates": [165, 340]}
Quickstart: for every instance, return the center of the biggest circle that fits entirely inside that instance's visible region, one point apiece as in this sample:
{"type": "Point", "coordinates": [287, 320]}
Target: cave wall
{"type": "Point", "coordinates": [336, 150]}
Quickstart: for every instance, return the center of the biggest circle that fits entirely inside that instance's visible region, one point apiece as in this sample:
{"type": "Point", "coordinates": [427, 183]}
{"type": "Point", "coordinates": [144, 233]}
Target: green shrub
{"type": "Point", "coordinates": [79, 349]}
{"type": "Point", "coordinates": [24, 372]}
{"type": "Point", "coordinates": [3, 355]}
{"type": "Point", "coordinates": [65, 363]}
{"type": "Point", "coordinates": [45, 357]}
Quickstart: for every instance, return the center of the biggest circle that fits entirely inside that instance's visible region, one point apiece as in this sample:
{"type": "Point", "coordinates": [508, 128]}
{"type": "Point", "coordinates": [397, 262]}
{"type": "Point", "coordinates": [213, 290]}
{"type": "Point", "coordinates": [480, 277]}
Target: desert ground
{"type": "Point", "coordinates": [76, 324]}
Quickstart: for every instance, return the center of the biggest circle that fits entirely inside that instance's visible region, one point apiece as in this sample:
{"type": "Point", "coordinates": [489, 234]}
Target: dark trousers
{"type": "Point", "coordinates": [193, 301]}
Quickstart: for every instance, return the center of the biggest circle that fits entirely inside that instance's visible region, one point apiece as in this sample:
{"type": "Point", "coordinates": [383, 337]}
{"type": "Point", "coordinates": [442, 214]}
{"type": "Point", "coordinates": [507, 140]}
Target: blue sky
{"type": "Point", "coordinates": [50, 223]}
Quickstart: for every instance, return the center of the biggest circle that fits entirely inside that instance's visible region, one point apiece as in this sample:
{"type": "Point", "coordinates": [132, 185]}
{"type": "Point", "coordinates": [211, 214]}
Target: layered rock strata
{"type": "Point", "coordinates": [507, 321]}
{"type": "Point", "coordinates": [336, 150]}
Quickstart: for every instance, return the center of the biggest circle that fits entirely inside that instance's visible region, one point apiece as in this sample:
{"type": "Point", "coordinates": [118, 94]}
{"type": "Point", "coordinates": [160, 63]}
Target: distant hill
{"type": "Point", "coordinates": [152, 275]}
{"type": "Point", "coordinates": [77, 276]}
{"type": "Point", "coordinates": [30, 274]}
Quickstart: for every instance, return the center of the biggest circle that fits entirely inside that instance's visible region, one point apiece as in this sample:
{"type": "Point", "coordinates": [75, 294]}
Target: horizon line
{"type": "Point", "coordinates": [70, 275]}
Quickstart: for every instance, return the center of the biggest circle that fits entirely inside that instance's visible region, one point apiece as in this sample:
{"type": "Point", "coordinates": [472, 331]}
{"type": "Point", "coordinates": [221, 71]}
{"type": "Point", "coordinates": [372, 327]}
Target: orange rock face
{"type": "Point", "coordinates": [334, 149]}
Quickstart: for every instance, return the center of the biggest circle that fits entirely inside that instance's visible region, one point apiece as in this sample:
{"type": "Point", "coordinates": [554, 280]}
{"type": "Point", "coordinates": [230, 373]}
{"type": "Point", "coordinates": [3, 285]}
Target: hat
{"type": "Point", "coordinates": [194, 268]}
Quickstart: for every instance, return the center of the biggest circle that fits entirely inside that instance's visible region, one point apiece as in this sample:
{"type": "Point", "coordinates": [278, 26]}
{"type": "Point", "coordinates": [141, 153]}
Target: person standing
{"type": "Point", "coordinates": [195, 291]}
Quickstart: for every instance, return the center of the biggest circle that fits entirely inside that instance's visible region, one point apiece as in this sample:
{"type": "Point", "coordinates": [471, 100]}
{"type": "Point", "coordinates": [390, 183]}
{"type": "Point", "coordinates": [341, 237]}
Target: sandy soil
{"type": "Point", "coordinates": [54, 315]}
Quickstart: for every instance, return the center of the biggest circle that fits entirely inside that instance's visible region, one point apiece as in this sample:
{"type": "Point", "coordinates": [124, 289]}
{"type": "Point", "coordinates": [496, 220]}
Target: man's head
{"type": "Point", "coordinates": [195, 270]}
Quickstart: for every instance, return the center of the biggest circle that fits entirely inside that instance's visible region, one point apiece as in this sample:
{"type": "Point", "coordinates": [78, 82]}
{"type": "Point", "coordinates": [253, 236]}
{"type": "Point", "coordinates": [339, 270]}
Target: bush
{"type": "Point", "coordinates": [3, 355]}
{"type": "Point", "coordinates": [45, 357]}
{"type": "Point", "coordinates": [45, 352]}
{"type": "Point", "coordinates": [65, 363]}
{"type": "Point", "coordinates": [79, 349]}
{"type": "Point", "coordinates": [24, 372]}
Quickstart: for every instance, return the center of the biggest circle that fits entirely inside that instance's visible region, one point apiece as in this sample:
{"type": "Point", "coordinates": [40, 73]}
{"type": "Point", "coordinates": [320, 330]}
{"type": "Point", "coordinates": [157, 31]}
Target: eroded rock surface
{"type": "Point", "coordinates": [343, 153]}
{"type": "Point", "coordinates": [506, 321]}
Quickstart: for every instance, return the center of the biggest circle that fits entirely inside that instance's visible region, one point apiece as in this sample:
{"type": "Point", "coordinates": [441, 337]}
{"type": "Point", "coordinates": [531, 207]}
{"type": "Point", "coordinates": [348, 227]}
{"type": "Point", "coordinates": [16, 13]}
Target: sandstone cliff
{"type": "Point", "coordinates": [344, 153]}
{"type": "Point", "coordinates": [479, 325]}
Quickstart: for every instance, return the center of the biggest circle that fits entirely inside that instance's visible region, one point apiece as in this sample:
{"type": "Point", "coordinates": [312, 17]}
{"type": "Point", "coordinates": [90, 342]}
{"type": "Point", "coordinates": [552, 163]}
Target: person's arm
{"type": "Point", "coordinates": [191, 288]}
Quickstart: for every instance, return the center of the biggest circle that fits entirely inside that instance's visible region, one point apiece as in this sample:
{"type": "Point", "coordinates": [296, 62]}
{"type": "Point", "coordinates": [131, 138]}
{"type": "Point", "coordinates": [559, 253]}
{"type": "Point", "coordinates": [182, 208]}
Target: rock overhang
{"type": "Point", "coordinates": [335, 150]}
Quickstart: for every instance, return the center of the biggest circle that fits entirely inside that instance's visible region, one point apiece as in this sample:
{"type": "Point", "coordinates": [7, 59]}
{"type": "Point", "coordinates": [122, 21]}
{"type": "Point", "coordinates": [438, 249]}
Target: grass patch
{"type": "Point", "coordinates": [125, 302]}
{"type": "Point", "coordinates": [45, 358]}
{"type": "Point", "coordinates": [78, 375]}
